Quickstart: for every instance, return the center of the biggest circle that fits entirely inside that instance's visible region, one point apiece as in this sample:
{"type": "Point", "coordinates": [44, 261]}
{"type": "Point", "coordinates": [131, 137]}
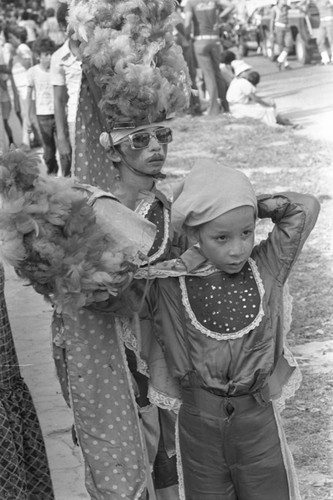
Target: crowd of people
{"type": "Point", "coordinates": [52, 125]}
{"type": "Point", "coordinates": [173, 358]}
{"type": "Point", "coordinates": [40, 80]}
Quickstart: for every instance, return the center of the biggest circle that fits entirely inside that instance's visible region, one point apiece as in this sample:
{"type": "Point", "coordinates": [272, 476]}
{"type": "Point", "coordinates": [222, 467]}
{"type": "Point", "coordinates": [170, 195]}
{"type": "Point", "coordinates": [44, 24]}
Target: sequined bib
{"type": "Point", "coordinates": [224, 306]}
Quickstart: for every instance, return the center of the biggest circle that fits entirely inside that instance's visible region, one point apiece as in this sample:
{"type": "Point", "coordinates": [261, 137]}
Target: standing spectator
{"type": "Point", "coordinates": [280, 29]}
{"type": "Point", "coordinates": [66, 75]}
{"type": "Point", "coordinates": [24, 470]}
{"type": "Point", "coordinates": [21, 61]}
{"type": "Point", "coordinates": [325, 36]}
{"type": "Point", "coordinates": [39, 83]}
{"type": "Point", "coordinates": [30, 25]}
{"type": "Point", "coordinates": [204, 16]}
{"type": "Point", "coordinates": [189, 56]}
{"type": "Point", "coordinates": [51, 28]}
{"type": "Point", "coordinates": [5, 102]}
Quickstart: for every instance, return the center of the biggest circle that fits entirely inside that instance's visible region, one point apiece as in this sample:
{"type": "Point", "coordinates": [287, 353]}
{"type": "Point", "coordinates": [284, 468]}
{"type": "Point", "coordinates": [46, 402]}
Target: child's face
{"type": "Point", "coordinates": [45, 60]}
{"type": "Point", "coordinates": [228, 240]}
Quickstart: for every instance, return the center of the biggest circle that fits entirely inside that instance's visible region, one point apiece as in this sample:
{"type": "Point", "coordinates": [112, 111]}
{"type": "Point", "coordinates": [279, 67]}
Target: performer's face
{"type": "Point", "coordinates": [149, 159]}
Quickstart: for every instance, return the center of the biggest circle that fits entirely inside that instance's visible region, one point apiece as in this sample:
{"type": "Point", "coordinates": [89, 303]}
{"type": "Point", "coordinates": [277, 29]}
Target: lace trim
{"type": "Point", "coordinates": [225, 336]}
{"type": "Point", "coordinates": [131, 342]}
{"type": "Point", "coordinates": [59, 339]}
{"type": "Point", "coordinates": [181, 488]}
{"type": "Point", "coordinates": [162, 400]}
{"type": "Point", "coordinates": [118, 328]}
{"type": "Point", "coordinates": [293, 384]}
{"type": "Point", "coordinates": [288, 460]}
{"type": "Point", "coordinates": [143, 208]}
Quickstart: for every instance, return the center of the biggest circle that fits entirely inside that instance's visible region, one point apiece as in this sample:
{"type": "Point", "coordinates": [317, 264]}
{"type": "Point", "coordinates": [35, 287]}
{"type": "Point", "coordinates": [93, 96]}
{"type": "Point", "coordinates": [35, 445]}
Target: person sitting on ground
{"type": "Point", "coordinates": [244, 101]}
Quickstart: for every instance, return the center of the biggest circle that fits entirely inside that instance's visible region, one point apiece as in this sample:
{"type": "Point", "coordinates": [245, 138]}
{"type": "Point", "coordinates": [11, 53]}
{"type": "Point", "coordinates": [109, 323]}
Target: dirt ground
{"type": "Point", "coordinates": [276, 160]}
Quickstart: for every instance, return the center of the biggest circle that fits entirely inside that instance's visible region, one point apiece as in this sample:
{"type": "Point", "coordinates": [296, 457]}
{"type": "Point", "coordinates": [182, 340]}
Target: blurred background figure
{"type": "Point", "coordinates": [20, 61]}
{"type": "Point", "coordinates": [65, 76]}
{"type": "Point", "coordinates": [5, 101]}
{"type": "Point", "coordinates": [226, 67]}
{"type": "Point", "coordinates": [325, 36]}
{"type": "Point", "coordinates": [189, 56]}
{"type": "Point", "coordinates": [281, 33]}
{"type": "Point", "coordinates": [51, 28]}
{"type": "Point", "coordinates": [202, 21]}
{"type": "Point", "coordinates": [39, 83]}
{"type": "Point", "coordinates": [30, 25]}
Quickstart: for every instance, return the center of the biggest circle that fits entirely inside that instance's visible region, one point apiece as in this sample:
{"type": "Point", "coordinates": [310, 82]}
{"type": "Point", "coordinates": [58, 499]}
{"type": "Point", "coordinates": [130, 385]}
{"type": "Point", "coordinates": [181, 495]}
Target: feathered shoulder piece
{"type": "Point", "coordinates": [69, 241]}
{"type": "Point", "coordinates": [128, 48]}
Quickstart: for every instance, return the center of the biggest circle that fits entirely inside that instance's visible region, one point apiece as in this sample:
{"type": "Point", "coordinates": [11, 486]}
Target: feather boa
{"type": "Point", "coordinates": [128, 47]}
{"type": "Point", "coordinates": [50, 234]}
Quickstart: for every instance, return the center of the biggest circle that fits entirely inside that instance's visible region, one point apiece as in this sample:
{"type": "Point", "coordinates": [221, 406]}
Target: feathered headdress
{"type": "Point", "coordinates": [135, 70]}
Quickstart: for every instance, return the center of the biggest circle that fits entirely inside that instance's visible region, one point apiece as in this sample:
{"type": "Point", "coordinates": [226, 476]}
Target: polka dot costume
{"type": "Point", "coordinates": [92, 163]}
{"type": "Point", "coordinates": [102, 398]}
{"type": "Point", "coordinates": [105, 418]}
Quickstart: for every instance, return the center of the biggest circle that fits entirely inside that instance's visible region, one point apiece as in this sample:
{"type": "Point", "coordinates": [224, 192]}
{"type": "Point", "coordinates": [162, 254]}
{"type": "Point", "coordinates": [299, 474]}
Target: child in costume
{"type": "Point", "coordinates": [219, 317]}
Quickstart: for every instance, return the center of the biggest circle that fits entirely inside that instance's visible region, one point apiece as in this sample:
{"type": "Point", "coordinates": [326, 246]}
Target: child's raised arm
{"type": "Point", "coordinates": [294, 216]}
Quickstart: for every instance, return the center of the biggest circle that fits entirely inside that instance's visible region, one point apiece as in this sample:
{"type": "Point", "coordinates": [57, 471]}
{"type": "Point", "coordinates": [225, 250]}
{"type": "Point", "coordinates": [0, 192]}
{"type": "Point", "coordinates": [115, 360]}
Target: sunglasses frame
{"type": "Point", "coordinates": [151, 134]}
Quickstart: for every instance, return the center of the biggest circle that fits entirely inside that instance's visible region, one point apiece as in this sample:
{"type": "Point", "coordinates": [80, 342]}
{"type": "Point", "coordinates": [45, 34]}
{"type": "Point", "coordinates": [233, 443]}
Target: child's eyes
{"type": "Point", "coordinates": [248, 232]}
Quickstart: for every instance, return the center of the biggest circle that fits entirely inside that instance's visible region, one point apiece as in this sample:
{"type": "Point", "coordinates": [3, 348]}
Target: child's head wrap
{"type": "Point", "coordinates": [211, 190]}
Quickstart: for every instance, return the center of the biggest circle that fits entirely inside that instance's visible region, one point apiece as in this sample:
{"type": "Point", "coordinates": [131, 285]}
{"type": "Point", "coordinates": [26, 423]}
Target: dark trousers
{"type": "Point", "coordinates": [283, 39]}
{"type": "Point", "coordinates": [208, 54]}
{"type": "Point", "coordinates": [47, 127]}
{"type": "Point", "coordinates": [230, 448]}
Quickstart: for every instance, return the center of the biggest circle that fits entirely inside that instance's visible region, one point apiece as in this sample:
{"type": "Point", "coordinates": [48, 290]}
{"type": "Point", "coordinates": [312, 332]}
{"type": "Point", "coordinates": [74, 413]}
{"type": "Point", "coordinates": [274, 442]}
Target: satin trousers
{"type": "Point", "coordinates": [230, 448]}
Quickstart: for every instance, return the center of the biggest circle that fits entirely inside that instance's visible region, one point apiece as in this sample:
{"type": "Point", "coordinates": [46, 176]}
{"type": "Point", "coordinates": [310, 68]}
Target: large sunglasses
{"type": "Point", "coordinates": [141, 140]}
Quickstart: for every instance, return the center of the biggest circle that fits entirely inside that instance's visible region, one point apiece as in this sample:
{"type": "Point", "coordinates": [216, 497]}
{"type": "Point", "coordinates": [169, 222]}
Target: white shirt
{"type": "Point", "coordinates": [22, 55]}
{"type": "Point", "coordinates": [239, 91]}
{"type": "Point", "coordinates": [66, 71]}
{"type": "Point", "coordinates": [39, 79]}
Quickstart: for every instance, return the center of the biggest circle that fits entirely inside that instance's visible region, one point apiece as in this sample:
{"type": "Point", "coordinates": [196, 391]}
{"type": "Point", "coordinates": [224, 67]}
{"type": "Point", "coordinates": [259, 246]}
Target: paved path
{"type": "Point", "coordinates": [303, 94]}
{"type": "Point", "coordinates": [30, 318]}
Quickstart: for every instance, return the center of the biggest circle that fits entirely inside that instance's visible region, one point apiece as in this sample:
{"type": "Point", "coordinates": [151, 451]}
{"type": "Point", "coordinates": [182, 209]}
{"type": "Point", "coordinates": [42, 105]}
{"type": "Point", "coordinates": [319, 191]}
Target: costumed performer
{"type": "Point", "coordinates": [77, 245]}
{"type": "Point", "coordinates": [220, 317]}
{"type": "Point", "coordinates": [134, 76]}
